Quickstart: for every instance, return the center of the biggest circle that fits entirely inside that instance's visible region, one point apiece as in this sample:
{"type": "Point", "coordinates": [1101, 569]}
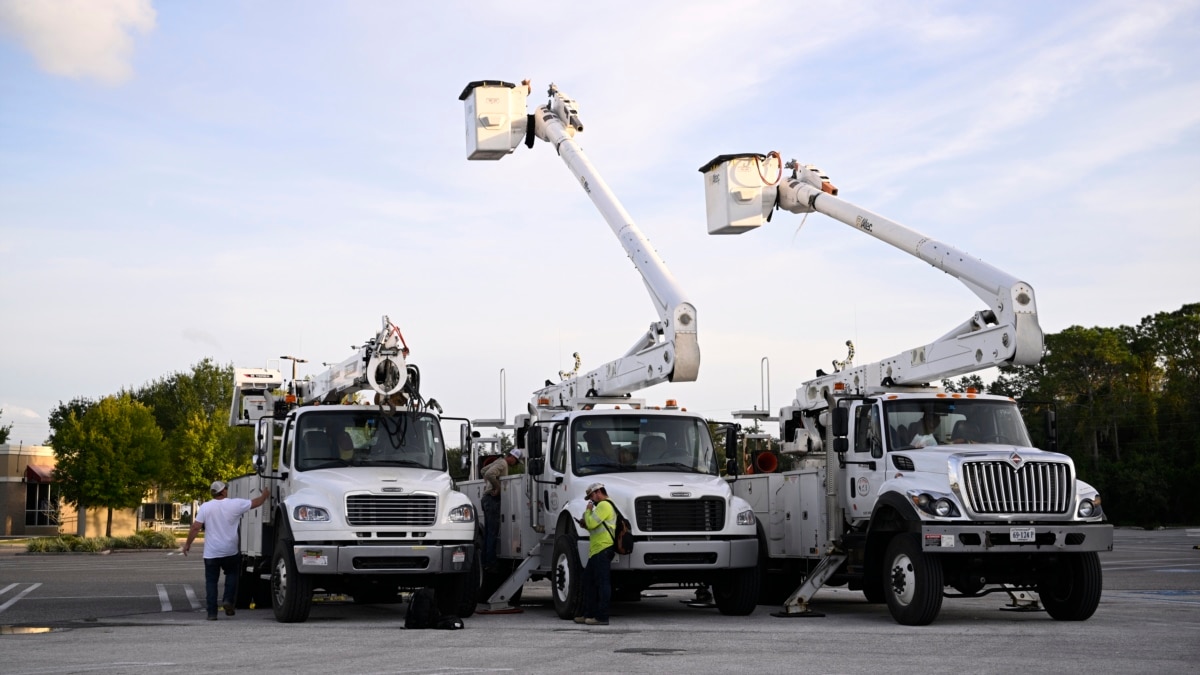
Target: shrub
{"type": "Point", "coordinates": [89, 545]}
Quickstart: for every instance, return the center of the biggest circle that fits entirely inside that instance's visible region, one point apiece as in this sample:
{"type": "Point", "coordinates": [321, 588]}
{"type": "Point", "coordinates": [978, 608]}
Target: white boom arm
{"type": "Point", "coordinates": [378, 365]}
{"type": "Point", "coordinates": [669, 350]}
{"type": "Point", "coordinates": [740, 197]}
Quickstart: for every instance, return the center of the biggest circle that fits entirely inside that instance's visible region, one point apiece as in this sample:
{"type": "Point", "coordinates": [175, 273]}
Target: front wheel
{"type": "Point", "coordinates": [566, 576]}
{"type": "Point", "coordinates": [735, 592]}
{"type": "Point", "coordinates": [912, 582]}
{"type": "Point", "coordinates": [290, 590]}
{"type": "Point", "coordinates": [1072, 593]}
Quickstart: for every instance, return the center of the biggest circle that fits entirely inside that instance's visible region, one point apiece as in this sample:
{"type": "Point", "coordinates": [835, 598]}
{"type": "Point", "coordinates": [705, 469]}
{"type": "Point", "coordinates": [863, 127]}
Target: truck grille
{"type": "Point", "coordinates": [408, 510]}
{"type": "Point", "coordinates": [680, 515]}
{"type": "Point", "coordinates": [998, 487]}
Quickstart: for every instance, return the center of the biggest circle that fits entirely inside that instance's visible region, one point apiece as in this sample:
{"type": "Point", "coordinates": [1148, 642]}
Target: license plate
{"type": "Point", "coordinates": [1022, 535]}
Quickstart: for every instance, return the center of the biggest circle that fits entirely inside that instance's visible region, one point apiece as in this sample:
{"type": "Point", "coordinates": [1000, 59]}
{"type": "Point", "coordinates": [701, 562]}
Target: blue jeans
{"type": "Point", "coordinates": [491, 528]}
{"type": "Point", "coordinates": [597, 585]}
{"type": "Point", "coordinates": [212, 570]}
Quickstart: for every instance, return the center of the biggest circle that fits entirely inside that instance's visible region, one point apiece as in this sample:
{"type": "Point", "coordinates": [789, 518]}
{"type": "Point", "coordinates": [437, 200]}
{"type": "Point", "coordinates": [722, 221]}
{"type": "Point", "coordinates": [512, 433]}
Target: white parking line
{"type": "Point", "coordinates": [191, 596]}
{"type": "Point", "coordinates": [163, 598]}
{"type": "Point", "coordinates": [18, 596]}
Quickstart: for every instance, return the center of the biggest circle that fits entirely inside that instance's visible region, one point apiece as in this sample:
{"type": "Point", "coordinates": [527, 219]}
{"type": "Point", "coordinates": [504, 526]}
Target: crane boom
{"type": "Point", "coordinates": [669, 349]}
{"type": "Point", "coordinates": [740, 198]}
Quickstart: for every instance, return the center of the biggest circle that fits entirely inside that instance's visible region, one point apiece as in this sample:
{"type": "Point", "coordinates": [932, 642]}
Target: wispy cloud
{"type": "Point", "coordinates": [79, 38]}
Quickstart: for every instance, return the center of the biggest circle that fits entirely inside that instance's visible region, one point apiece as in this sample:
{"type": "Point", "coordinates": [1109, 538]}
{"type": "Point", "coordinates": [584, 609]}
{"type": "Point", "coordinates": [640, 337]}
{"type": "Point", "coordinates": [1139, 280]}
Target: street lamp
{"type": "Point", "coordinates": [294, 361]}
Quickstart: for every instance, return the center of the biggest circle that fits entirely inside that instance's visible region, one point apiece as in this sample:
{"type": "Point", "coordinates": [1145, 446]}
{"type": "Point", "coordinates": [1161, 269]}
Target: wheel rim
{"type": "Point", "coordinates": [562, 577]}
{"type": "Point", "coordinates": [903, 579]}
{"type": "Point", "coordinates": [279, 582]}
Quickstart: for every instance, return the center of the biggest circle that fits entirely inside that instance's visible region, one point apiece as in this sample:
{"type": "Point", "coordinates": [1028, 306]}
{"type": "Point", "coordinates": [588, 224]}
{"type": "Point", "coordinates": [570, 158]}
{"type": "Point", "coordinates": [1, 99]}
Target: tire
{"type": "Point", "coordinates": [912, 582]}
{"type": "Point", "coordinates": [735, 592]}
{"type": "Point", "coordinates": [291, 592]}
{"type": "Point", "coordinates": [474, 581]}
{"type": "Point", "coordinates": [566, 577]}
{"type": "Point", "coordinates": [1073, 592]}
{"type": "Point", "coordinates": [773, 587]}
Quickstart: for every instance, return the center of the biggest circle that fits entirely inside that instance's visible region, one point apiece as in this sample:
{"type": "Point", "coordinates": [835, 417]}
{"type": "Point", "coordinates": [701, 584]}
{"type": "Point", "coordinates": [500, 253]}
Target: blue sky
{"type": "Point", "coordinates": [240, 180]}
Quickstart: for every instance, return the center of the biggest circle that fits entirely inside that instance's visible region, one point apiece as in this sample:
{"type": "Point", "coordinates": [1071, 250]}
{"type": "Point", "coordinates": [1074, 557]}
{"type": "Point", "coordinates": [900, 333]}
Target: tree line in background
{"type": "Point", "coordinates": [171, 434]}
{"type": "Point", "coordinates": [1124, 400]}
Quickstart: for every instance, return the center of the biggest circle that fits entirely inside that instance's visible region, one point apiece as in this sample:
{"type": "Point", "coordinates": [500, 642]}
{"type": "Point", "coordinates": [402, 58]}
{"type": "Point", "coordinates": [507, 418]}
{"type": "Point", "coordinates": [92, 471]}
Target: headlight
{"type": "Point", "coordinates": [310, 513]}
{"type": "Point", "coordinates": [934, 505]}
{"type": "Point", "coordinates": [745, 518]}
{"type": "Point", "coordinates": [462, 514]}
{"type": "Point", "coordinates": [1087, 508]}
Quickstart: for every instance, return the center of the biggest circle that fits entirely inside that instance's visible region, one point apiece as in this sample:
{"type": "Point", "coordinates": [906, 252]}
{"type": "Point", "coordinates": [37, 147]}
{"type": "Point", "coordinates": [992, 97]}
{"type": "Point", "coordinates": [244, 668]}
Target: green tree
{"type": "Point", "coordinates": [4, 431]}
{"type": "Point", "coordinates": [192, 409]}
{"type": "Point", "coordinates": [78, 406]}
{"type": "Point", "coordinates": [109, 457]}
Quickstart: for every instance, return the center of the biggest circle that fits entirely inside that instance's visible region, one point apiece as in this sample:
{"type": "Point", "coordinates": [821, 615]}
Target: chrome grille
{"type": "Point", "coordinates": [410, 510]}
{"type": "Point", "coordinates": [998, 487]}
{"type": "Point", "coordinates": [680, 515]}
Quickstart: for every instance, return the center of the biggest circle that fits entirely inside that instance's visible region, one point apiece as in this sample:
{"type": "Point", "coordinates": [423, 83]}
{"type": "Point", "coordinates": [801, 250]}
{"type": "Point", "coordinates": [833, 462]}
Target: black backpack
{"type": "Point", "coordinates": [422, 610]}
{"type": "Point", "coordinates": [623, 536]}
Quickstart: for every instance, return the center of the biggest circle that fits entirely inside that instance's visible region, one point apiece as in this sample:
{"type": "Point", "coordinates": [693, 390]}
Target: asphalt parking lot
{"type": "Point", "coordinates": [142, 612]}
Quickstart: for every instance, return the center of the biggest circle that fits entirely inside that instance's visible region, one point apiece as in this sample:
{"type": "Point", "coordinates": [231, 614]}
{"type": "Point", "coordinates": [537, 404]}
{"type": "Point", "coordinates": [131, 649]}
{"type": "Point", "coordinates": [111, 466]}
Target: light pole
{"type": "Point", "coordinates": [294, 361]}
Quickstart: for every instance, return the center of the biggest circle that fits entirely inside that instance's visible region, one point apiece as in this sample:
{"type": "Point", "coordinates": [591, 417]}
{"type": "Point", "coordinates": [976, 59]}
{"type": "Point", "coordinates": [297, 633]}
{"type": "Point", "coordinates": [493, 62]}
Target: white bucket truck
{"type": "Point", "coordinates": [905, 491]}
{"type": "Point", "coordinates": [361, 501]}
{"type": "Point", "coordinates": [659, 465]}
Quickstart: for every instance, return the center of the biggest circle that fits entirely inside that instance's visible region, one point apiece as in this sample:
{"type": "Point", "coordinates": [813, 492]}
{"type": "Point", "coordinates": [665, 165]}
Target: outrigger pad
{"type": "Point", "coordinates": [798, 615]}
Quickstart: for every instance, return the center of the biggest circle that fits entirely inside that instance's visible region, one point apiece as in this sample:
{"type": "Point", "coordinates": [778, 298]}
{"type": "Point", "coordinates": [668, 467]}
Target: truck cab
{"type": "Point", "coordinates": [660, 469]}
{"type": "Point", "coordinates": [362, 504]}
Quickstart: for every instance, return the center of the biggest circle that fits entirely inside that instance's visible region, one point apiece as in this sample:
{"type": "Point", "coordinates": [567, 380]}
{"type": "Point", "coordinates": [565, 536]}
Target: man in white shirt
{"type": "Point", "coordinates": [219, 518]}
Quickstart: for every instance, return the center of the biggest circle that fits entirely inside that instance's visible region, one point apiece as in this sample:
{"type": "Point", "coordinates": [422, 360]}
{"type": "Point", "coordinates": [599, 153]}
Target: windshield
{"type": "Point", "coordinates": [616, 443]}
{"type": "Point", "coordinates": [916, 423]}
{"type": "Point", "coordinates": [369, 437]}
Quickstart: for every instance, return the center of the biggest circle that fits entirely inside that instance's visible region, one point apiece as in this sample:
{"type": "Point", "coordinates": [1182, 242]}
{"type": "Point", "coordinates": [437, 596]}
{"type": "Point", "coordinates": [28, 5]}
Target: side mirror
{"type": "Point", "coordinates": [533, 442]}
{"type": "Point", "coordinates": [841, 422]}
{"type": "Point", "coordinates": [1051, 430]}
{"type": "Point", "coordinates": [731, 451]}
{"type": "Point", "coordinates": [841, 444]}
{"type": "Point", "coordinates": [536, 466]}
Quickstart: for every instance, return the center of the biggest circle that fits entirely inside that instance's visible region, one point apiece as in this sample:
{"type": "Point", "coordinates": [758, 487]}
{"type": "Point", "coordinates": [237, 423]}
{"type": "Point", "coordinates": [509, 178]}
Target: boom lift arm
{"type": "Point", "coordinates": [668, 350]}
{"type": "Point", "coordinates": [740, 197]}
{"type": "Point", "coordinates": [379, 366]}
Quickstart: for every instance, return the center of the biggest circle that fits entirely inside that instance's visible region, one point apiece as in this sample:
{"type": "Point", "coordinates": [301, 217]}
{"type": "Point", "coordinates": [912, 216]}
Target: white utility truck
{"type": "Point", "coordinates": [903, 490]}
{"type": "Point", "coordinates": [361, 501]}
{"type": "Point", "coordinates": [659, 464]}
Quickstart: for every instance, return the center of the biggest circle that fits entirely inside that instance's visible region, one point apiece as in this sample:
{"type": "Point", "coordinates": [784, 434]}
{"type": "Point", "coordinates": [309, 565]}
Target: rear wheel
{"type": "Point", "coordinates": [735, 592]}
{"type": "Point", "coordinates": [566, 576]}
{"type": "Point", "coordinates": [1072, 593]}
{"type": "Point", "coordinates": [290, 590]}
{"type": "Point", "coordinates": [912, 582]}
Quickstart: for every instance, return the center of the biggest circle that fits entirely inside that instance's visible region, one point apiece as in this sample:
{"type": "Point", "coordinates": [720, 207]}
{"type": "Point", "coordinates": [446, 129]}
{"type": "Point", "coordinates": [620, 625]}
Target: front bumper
{"type": "Point", "coordinates": [409, 559]}
{"type": "Point", "coordinates": [998, 538]}
{"type": "Point", "coordinates": [666, 554]}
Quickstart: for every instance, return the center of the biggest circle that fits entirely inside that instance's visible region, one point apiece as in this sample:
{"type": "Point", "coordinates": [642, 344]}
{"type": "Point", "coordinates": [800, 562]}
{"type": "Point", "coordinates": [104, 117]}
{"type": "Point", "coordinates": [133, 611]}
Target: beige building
{"type": "Point", "coordinates": [30, 504]}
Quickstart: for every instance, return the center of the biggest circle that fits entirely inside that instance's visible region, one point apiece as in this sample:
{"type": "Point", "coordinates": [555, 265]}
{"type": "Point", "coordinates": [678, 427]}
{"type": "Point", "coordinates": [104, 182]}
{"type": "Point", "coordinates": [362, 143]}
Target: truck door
{"type": "Point", "coordinates": [554, 488]}
{"type": "Point", "coordinates": [865, 468]}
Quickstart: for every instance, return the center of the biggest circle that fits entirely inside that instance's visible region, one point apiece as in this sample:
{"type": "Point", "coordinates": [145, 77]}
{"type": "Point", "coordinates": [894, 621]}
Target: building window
{"type": "Point", "coordinates": [41, 504]}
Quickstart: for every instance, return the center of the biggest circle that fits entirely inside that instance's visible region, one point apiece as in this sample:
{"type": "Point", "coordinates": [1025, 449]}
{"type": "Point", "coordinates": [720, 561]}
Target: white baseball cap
{"type": "Point", "coordinates": [218, 487]}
